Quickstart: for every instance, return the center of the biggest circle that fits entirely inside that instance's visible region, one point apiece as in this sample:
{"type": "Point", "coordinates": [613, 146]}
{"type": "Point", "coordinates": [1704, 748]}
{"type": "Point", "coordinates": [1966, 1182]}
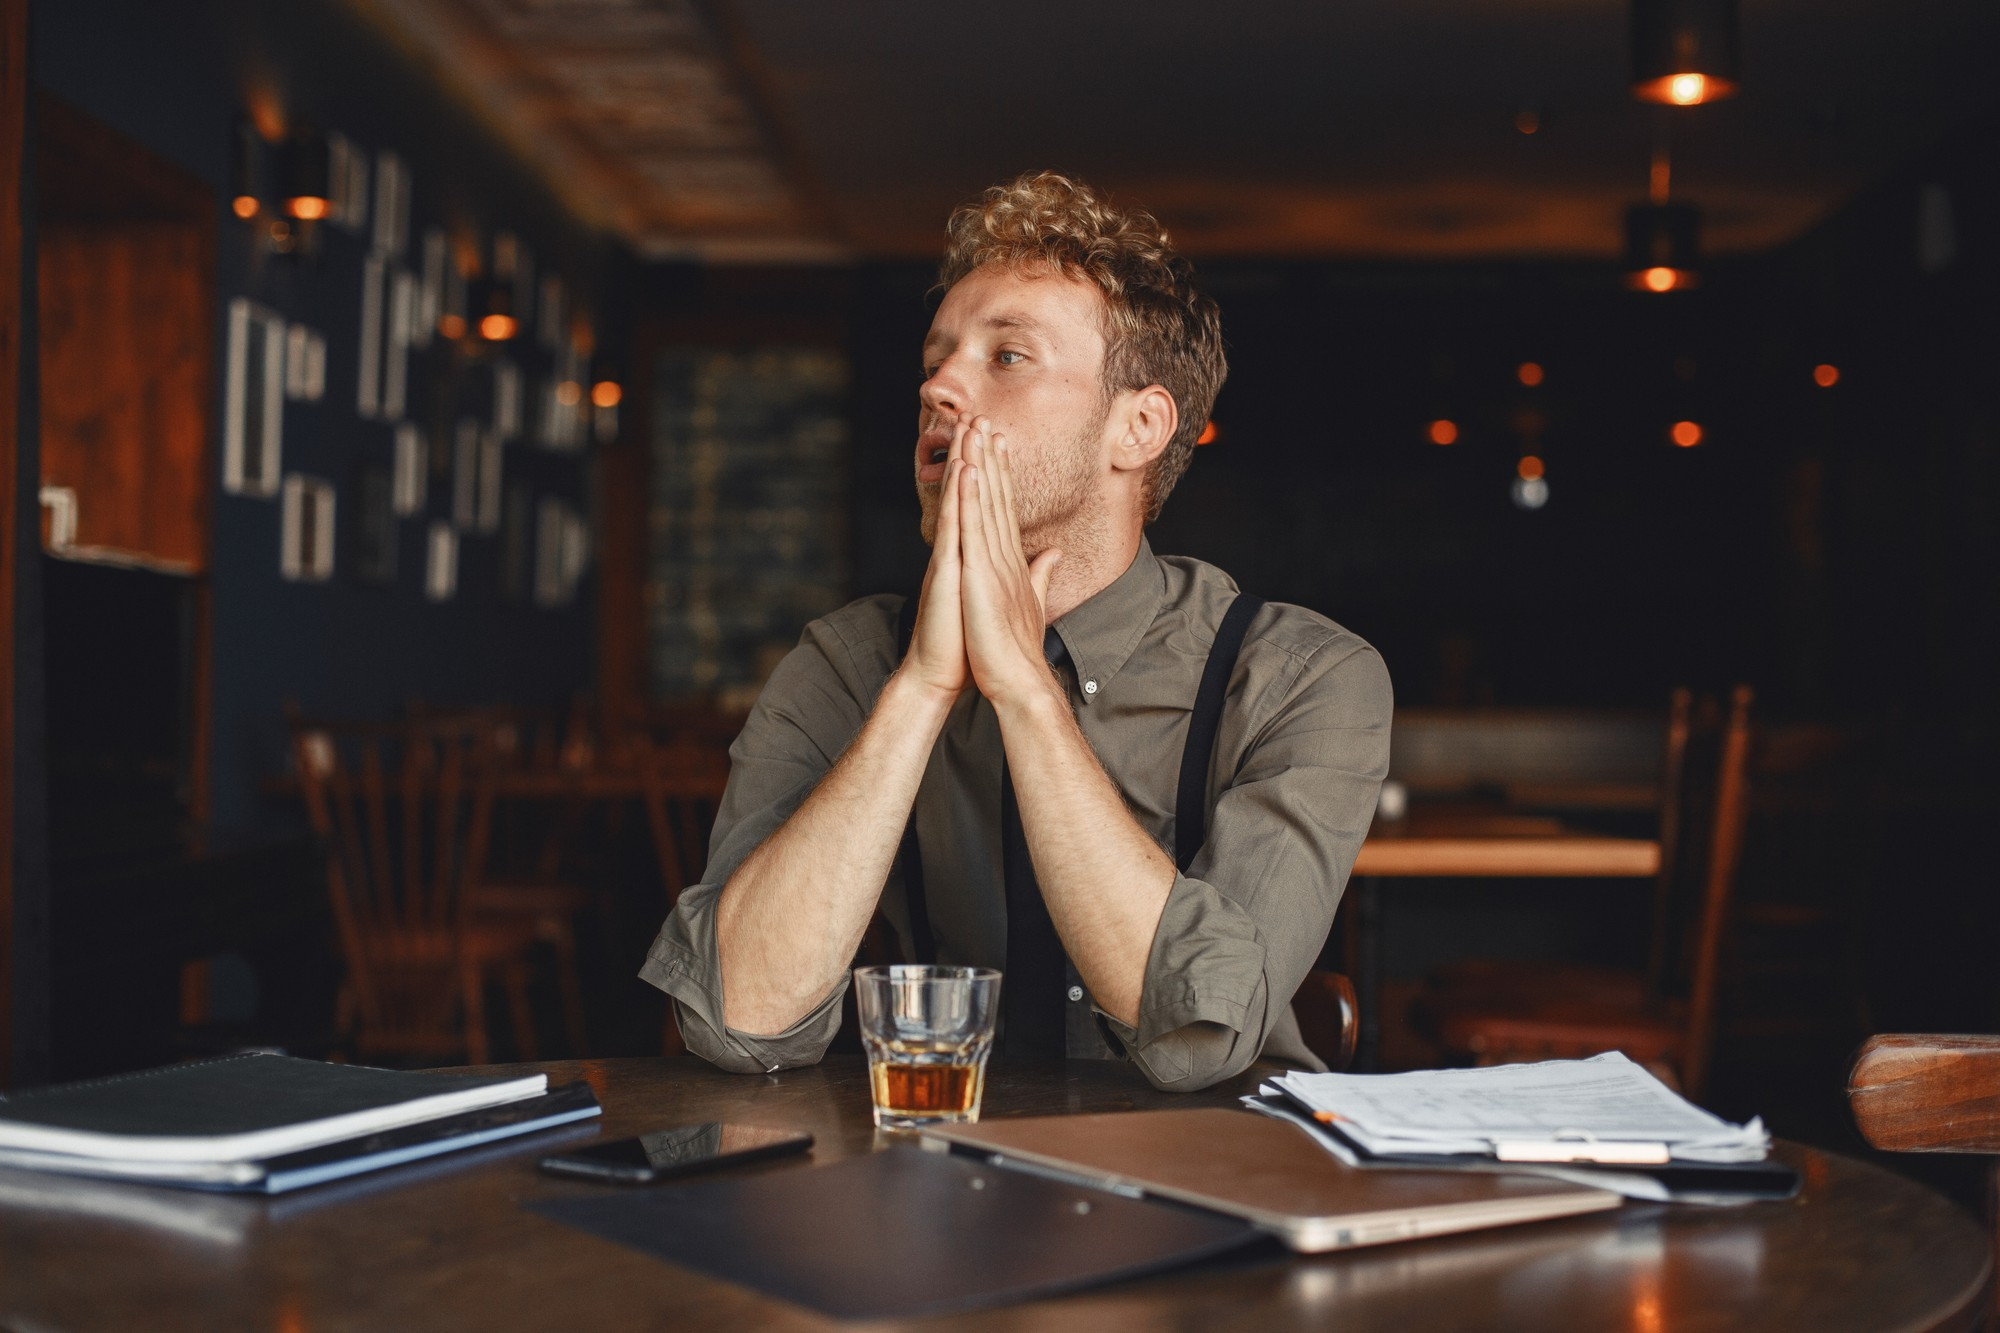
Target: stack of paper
{"type": "Point", "coordinates": [268, 1123]}
{"type": "Point", "coordinates": [1605, 1109]}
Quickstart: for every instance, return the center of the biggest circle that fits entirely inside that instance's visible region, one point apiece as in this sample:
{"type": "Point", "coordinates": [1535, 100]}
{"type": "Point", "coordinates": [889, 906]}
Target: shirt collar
{"type": "Point", "coordinates": [1102, 633]}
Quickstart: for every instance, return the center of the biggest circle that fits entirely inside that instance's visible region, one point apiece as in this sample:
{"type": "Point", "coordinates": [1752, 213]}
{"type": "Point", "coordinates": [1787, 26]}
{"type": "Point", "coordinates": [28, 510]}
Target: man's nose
{"type": "Point", "coordinates": [943, 392]}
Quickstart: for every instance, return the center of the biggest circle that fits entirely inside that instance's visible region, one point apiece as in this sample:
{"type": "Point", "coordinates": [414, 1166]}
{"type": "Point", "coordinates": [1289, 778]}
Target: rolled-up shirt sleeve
{"type": "Point", "coordinates": [807, 714]}
{"type": "Point", "coordinates": [1243, 926]}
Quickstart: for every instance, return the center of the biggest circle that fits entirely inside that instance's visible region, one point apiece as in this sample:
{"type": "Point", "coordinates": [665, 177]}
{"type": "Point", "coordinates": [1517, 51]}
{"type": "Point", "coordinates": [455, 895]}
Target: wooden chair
{"type": "Point", "coordinates": [1912, 1092]}
{"type": "Point", "coordinates": [405, 813]}
{"type": "Point", "coordinates": [1329, 1017]}
{"type": "Point", "coordinates": [1664, 1016]}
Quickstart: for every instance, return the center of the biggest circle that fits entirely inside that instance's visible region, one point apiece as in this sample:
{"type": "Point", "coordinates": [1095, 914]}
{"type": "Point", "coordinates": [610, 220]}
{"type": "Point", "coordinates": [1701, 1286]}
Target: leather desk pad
{"type": "Point", "coordinates": [901, 1233]}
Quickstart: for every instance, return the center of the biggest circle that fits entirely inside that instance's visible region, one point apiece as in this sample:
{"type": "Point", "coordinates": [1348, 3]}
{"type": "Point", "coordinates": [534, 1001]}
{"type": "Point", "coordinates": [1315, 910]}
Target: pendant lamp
{"type": "Point", "coordinates": [1662, 247]}
{"type": "Point", "coordinates": [1684, 52]}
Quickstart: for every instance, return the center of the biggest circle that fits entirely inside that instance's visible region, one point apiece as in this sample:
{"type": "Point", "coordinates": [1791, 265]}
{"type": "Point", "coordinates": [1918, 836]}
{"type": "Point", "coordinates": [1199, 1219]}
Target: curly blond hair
{"type": "Point", "coordinates": [1160, 328]}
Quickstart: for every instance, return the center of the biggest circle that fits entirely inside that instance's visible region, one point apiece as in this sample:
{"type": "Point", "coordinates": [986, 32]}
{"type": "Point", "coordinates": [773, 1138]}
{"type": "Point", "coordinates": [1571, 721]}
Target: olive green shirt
{"type": "Point", "coordinates": [1301, 749]}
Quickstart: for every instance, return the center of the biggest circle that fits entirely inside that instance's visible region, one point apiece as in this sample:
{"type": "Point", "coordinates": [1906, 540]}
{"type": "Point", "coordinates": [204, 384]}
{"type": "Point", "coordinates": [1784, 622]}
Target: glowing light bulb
{"type": "Point", "coordinates": [1443, 431]}
{"type": "Point", "coordinates": [1209, 434]}
{"type": "Point", "coordinates": [1529, 373]}
{"type": "Point", "coordinates": [244, 206]}
{"type": "Point", "coordinates": [606, 393]}
{"type": "Point", "coordinates": [1529, 468]}
{"type": "Point", "coordinates": [1687, 89]}
{"type": "Point", "coordinates": [1659, 278]}
{"type": "Point", "coordinates": [1826, 375]}
{"type": "Point", "coordinates": [1686, 434]}
{"type": "Point", "coordinates": [497, 328]}
{"type": "Point", "coordinates": [307, 207]}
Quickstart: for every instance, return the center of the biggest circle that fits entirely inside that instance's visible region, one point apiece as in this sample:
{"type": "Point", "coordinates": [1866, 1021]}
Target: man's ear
{"type": "Point", "coordinates": [1150, 418]}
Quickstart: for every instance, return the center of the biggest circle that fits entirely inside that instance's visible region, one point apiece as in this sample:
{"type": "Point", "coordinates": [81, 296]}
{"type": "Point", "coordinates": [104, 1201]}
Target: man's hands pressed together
{"type": "Point", "coordinates": [790, 918]}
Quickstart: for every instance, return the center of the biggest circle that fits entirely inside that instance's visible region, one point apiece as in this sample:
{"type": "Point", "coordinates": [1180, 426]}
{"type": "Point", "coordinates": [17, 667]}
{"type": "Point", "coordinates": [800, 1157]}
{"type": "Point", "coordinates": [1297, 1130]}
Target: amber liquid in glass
{"type": "Point", "coordinates": [943, 1091]}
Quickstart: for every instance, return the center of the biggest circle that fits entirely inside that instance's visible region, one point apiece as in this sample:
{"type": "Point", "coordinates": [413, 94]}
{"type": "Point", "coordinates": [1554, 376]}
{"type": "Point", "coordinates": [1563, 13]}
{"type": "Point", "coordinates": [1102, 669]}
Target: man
{"type": "Point", "coordinates": [1068, 371]}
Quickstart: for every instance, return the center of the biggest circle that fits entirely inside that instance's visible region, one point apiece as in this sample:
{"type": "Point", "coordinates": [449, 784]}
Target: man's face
{"type": "Point", "coordinates": [1026, 353]}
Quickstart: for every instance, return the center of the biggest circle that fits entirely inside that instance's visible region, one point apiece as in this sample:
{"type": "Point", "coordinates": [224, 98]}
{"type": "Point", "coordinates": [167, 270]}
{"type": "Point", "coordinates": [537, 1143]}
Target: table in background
{"type": "Point", "coordinates": [446, 1244]}
{"type": "Point", "coordinates": [1469, 843]}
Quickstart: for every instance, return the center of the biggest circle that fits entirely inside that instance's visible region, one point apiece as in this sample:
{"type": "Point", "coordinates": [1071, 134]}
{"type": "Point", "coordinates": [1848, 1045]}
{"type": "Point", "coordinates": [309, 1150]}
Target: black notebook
{"type": "Point", "coordinates": [239, 1108]}
{"type": "Point", "coordinates": [903, 1233]}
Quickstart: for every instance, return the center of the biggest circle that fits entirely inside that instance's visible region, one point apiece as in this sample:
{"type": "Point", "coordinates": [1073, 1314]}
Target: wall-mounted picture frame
{"type": "Point", "coordinates": [305, 364]}
{"type": "Point", "coordinates": [410, 470]}
{"type": "Point", "coordinates": [368, 390]}
{"type": "Point", "coordinates": [305, 540]}
{"type": "Point", "coordinates": [392, 204]}
{"type": "Point", "coordinates": [375, 529]}
{"type": "Point", "coordinates": [430, 286]}
{"type": "Point", "coordinates": [506, 398]}
{"type": "Point", "coordinates": [396, 343]}
{"type": "Point", "coordinates": [562, 552]}
{"type": "Point", "coordinates": [465, 474]}
{"type": "Point", "coordinates": [253, 401]}
{"type": "Point", "coordinates": [486, 512]}
{"type": "Point", "coordinates": [348, 175]}
{"type": "Point", "coordinates": [441, 563]}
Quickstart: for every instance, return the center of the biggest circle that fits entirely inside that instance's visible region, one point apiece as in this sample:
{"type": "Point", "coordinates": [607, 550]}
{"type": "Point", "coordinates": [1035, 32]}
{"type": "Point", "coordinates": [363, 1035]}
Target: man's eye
{"type": "Point", "coordinates": [929, 371]}
{"type": "Point", "coordinates": [1010, 358]}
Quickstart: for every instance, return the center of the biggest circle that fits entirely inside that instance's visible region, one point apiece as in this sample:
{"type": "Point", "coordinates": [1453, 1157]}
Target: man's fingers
{"type": "Point", "coordinates": [1010, 518]}
{"type": "Point", "coordinates": [1038, 574]}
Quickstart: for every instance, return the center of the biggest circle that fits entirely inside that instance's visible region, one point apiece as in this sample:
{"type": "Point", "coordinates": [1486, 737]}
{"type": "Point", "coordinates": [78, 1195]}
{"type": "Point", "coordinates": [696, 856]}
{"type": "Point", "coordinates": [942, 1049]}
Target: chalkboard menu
{"type": "Point", "coordinates": [748, 520]}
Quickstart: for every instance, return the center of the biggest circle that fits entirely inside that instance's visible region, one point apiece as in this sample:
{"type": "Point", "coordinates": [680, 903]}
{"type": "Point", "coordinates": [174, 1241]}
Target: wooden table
{"type": "Point", "coordinates": [446, 1245]}
{"type": "Point", "coordinates": [1470, 843]}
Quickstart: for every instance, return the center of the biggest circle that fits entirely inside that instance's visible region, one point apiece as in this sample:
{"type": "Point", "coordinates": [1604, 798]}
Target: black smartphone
{"type": "Point", "coordinates": [684, 1150]}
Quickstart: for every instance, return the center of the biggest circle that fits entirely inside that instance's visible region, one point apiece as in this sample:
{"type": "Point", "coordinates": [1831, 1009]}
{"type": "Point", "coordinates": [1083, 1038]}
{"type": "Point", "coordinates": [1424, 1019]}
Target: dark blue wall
{"type": "Point", "coordinates": [175, 77]}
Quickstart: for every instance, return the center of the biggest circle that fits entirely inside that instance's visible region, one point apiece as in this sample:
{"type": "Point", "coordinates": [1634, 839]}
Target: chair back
{"type": "Point", "coordinates": [404, 811]}
{"type": "Point", "coordinates": [1709, 854]}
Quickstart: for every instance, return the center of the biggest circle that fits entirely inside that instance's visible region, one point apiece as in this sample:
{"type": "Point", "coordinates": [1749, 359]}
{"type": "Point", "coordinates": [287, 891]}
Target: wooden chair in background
{"type": "Point", "coordinates": [1912, 1092]}
{"type": "Point", "coordinates": [1329, 1017]}
{"type": "Point", "coordinates": [1496, 1012]}
{"type": "Point", "coordinates": [405, 812]}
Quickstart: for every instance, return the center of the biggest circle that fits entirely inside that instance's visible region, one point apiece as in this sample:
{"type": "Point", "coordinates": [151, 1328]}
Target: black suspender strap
{"type": "Point", "coordinates": [1191, 802]}
{"type": "Point", "coordinates": [921, 943]}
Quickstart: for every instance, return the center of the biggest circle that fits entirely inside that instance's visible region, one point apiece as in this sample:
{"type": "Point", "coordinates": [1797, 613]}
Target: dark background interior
{"type": "Point", "coordinates": [1836, 547]}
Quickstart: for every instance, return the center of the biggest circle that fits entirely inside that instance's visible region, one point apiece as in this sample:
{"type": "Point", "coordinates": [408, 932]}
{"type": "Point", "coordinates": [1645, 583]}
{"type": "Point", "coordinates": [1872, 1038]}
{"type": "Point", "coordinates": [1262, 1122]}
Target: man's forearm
{"type": "Point", "coordinates": [1105, 881]}
{"type": "Point", "coordinates": [790, 918]}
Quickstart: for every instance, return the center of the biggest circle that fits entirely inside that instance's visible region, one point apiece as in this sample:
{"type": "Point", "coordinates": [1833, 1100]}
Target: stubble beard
{"type": "Point", "coordinates": [1055, 493]}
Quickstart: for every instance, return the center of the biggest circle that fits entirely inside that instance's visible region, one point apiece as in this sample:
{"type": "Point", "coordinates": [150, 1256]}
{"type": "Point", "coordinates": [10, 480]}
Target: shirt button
{"type": "Point", "coordinates": [1075, 994]}
{"type": "Point", "coordinates": [1090, 687]}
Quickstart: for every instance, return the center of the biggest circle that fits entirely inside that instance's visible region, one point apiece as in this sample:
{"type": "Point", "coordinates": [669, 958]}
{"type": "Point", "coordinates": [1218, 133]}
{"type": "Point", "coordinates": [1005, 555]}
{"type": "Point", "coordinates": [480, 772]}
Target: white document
{"type": "Point", "coordinates": [1606, 1099]}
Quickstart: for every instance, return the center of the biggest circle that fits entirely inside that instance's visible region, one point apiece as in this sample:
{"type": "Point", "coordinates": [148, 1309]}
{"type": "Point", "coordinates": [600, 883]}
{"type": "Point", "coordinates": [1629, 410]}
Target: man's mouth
{"type": "Point", "coordinates": [932, 451]}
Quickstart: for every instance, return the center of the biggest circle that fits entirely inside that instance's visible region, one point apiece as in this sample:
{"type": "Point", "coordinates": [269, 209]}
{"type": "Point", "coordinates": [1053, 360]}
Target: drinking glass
{"type": "Point", "coordinates": [927, 1031]}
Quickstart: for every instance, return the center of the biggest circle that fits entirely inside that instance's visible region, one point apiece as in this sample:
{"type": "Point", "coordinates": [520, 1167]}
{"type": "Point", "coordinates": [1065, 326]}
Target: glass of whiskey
{"type": "Point", "coordinates": [927, 1031]}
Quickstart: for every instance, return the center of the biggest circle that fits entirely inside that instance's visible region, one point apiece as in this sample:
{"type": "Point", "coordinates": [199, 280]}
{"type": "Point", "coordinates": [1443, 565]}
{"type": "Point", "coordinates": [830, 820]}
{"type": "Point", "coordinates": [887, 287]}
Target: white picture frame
{"type": "Point", "coordinates": [506, 399]}
{"type": "Point", "coordinates": [441, 562]}
{"type": "Point", "coordinates": [465, 475]}
{"type": "Point", "coordinates": [396, 352]}
{"type": "Point", "coordinates": [410, 471]}
{"type": "Point", "coordinates": [368, 389]}
{"type": "Point", "coordinates": [305, 541]}
{"type": "Point", "coordinates": [430, 289]}
{"type": "Point", "coordinates": [392, 204]}
{"type": "Point", "coordinates": [253, 401]}
{"type": "Point", "coordinates": [486, 512]}
{"type": "Point", "coordinates": [562, 552]}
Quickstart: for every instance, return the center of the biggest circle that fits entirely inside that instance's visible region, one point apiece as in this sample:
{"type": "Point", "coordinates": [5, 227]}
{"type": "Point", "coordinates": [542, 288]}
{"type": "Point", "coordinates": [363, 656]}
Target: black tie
{"type": "Point", "coordinates": [1032, 995]}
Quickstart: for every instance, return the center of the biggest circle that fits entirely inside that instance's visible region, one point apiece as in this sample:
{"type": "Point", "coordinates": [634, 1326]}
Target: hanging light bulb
{"type": "Point", "coordinates": [1531, 483]}
{"type": "Point", "coordinates": [1662, 247]}
{"type": "Point", "coordinates": [1684, 52]}
{"type": "Point", "coordinates": [306, 170]}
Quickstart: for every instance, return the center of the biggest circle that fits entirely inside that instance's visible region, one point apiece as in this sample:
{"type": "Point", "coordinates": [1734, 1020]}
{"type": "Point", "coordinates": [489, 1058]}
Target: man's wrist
{"type": "Point", "coordinates": [924, 702]}
{"type": "Point", "coordinates": [1037, 700]}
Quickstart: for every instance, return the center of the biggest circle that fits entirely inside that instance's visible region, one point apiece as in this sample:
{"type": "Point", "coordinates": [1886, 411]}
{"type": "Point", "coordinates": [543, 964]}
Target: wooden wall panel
{"type": "Point", "coordinates": [124, 342]}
